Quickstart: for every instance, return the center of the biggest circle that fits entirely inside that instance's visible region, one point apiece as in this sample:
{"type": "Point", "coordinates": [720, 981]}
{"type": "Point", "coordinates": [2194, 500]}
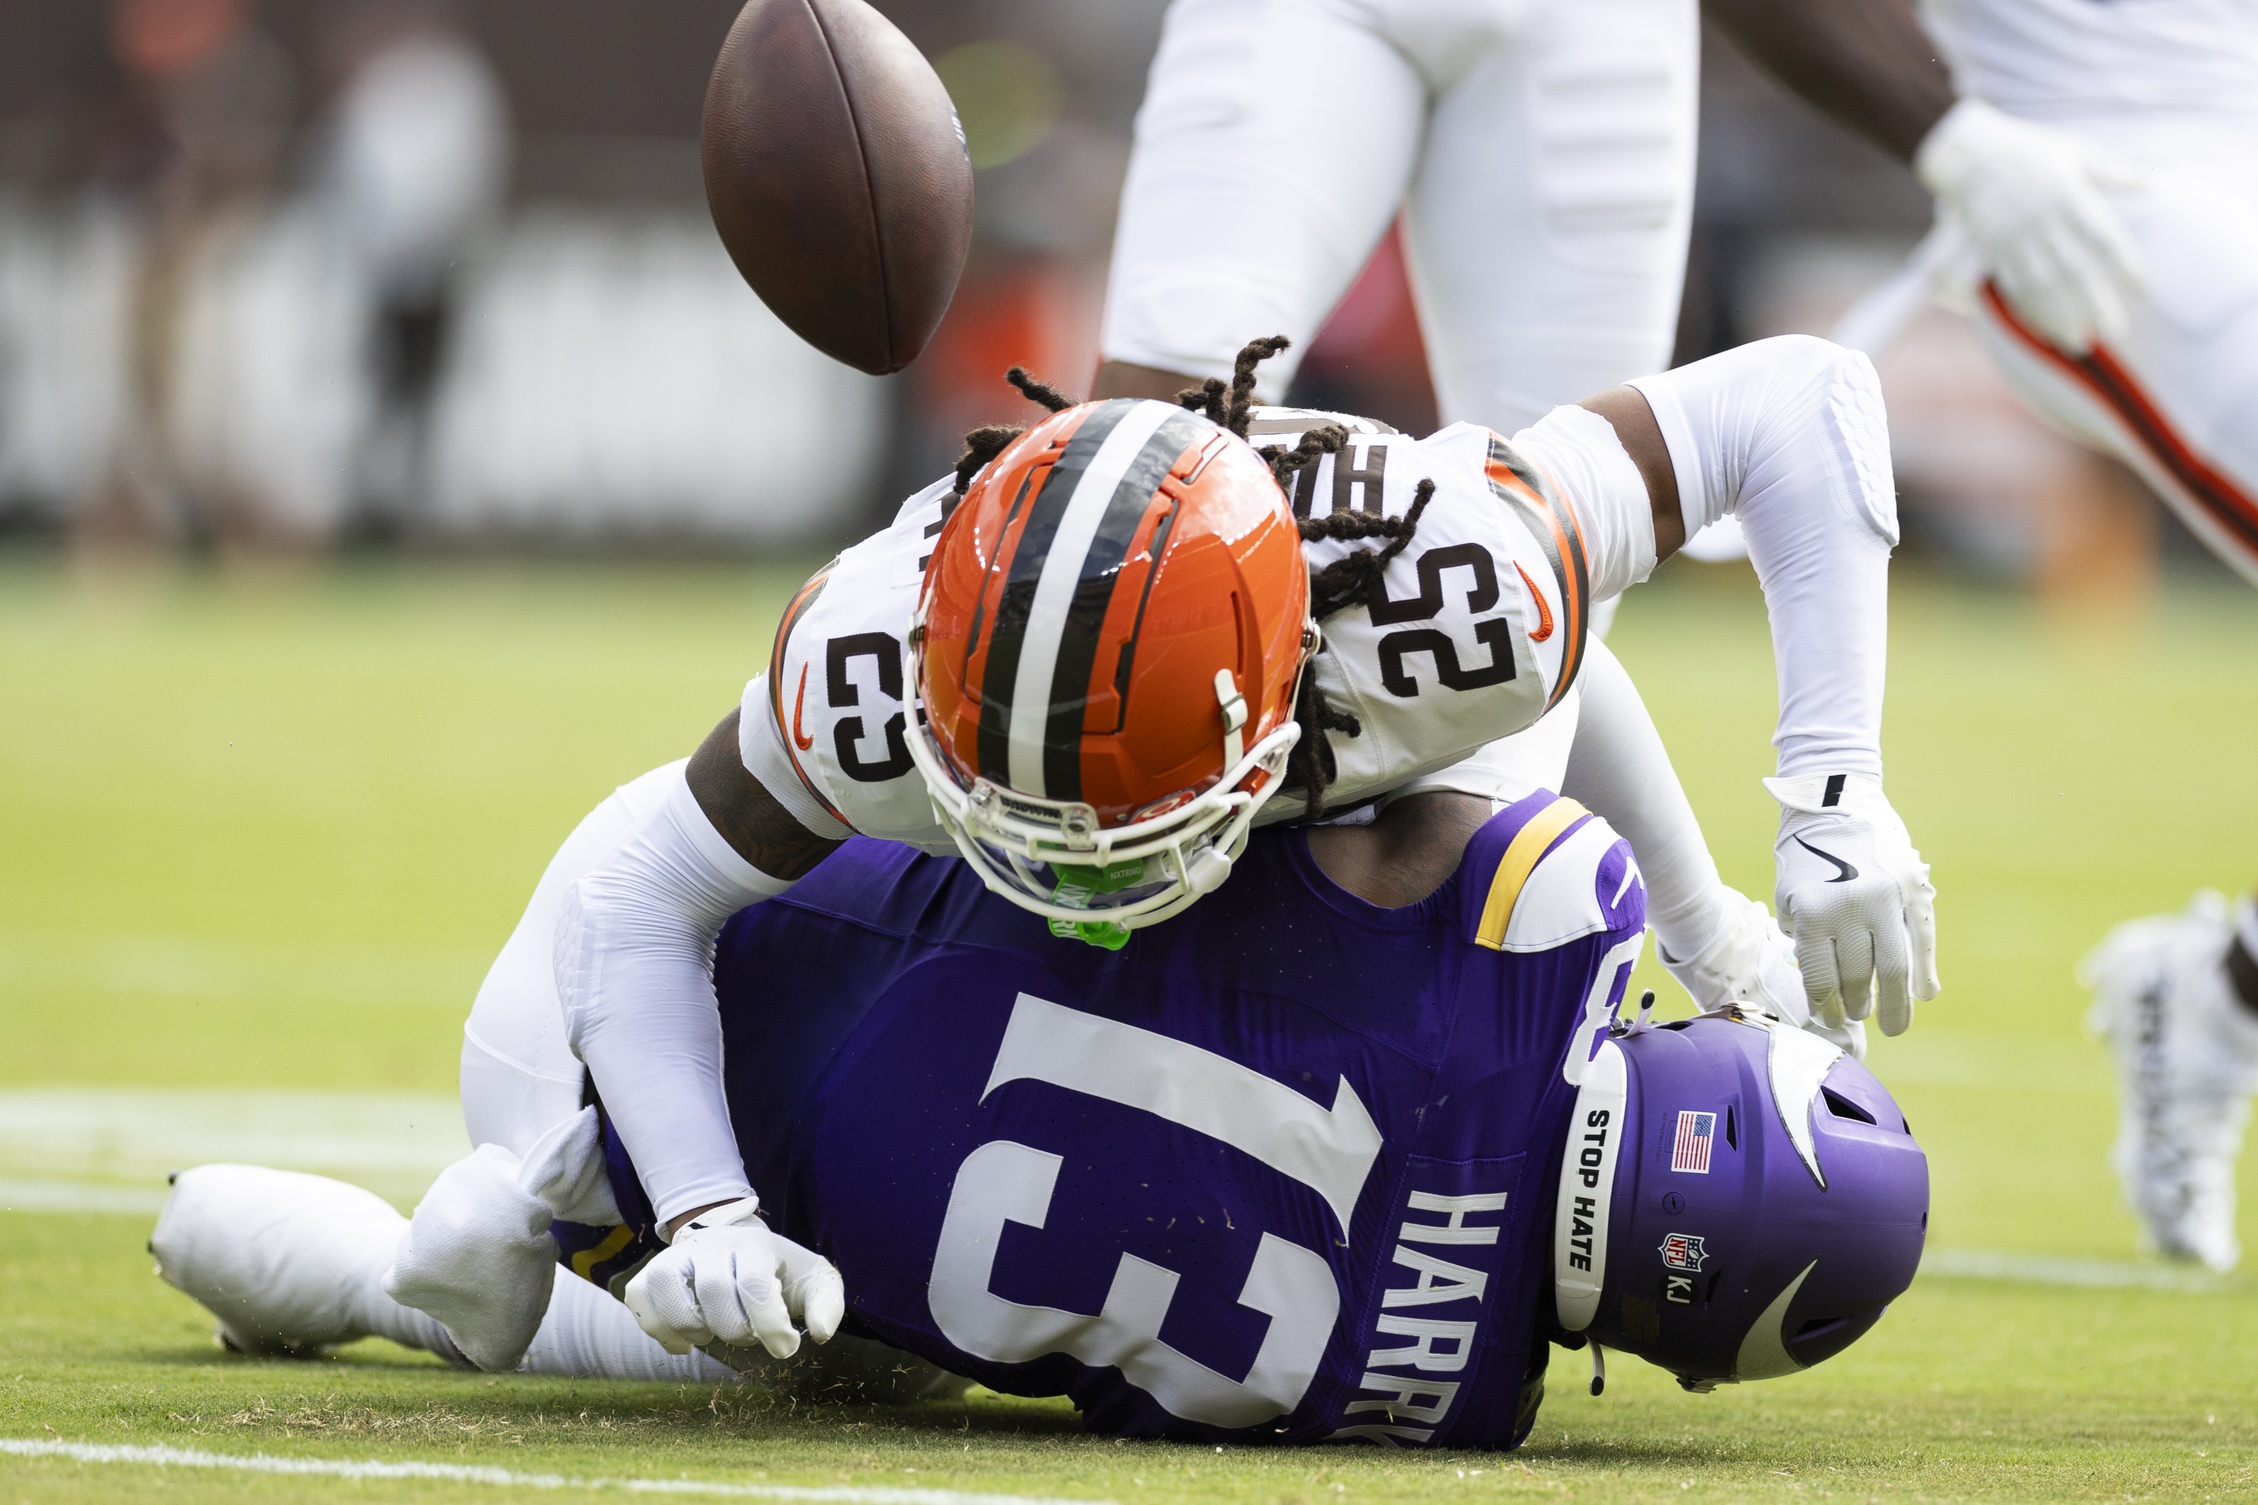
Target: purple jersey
{"type": "Point", "coordinates": [1282, 1169]}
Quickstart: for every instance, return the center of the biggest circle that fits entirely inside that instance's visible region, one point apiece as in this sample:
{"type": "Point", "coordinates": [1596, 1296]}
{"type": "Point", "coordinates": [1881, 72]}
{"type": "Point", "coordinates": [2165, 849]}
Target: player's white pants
{"type": "Point", "coordinates": [1542, 152]}
{"type": "Point", "coordinates": [2178, 400]}
{"type": "Point", "coordinates": [520, 1077]}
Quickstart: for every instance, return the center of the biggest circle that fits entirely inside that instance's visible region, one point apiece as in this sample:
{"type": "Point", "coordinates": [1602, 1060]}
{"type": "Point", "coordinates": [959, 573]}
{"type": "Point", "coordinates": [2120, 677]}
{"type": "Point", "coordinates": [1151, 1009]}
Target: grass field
{"type": "Point", "coordinates": [259, 837]}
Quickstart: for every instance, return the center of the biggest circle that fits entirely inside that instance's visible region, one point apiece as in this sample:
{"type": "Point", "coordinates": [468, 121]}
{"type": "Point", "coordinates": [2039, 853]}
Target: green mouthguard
{"type": "Point", "coordinates": [1077, 886]}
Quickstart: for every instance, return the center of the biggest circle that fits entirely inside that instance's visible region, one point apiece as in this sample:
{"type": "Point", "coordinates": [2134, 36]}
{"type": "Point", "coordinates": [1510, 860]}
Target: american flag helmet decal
{"type": "Point", "coordinates": [1690, 1150]}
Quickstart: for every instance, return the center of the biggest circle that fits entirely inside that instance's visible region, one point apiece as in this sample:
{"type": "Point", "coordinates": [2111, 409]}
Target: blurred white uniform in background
{"type": "Point", "coordinates": [2167, 91]}
{"type": "Point", "coordinates": [418, 166]}
{"type": "Point", "coordinates": [1542, 154]}
{"type": "Point", "coordinates": [420, 159]}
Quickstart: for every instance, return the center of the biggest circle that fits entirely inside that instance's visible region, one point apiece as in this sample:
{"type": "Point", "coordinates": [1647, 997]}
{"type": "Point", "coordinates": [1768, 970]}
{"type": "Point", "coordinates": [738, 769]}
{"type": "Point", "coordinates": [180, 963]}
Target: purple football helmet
{"type": "Point", "coordinates": [1738, 1200]}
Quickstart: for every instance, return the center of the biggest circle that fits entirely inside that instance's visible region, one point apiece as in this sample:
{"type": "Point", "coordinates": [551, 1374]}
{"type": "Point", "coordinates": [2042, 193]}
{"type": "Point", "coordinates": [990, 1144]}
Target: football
{"type": "Point", "coordinates": [837, 175]}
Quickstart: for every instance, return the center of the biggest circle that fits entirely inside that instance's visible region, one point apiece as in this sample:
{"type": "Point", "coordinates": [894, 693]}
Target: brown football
{"type": "Point", "coordinates": [837, 177]}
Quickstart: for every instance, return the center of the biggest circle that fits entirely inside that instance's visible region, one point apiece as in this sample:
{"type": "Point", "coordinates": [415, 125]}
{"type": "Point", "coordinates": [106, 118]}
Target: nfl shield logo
{"type": "Point", "coordinates": [1684, 1251]}
{"type": "Point", "coordinates": [1690, 1150]}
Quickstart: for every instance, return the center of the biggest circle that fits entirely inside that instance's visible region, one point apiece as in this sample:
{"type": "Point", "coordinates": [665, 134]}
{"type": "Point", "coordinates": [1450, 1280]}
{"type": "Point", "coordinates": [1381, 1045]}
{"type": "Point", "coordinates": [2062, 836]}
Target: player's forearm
{"type": "Point", "coordinates": [1789, 435]}
{"type": "Point", "coordinates": [1619, 767]}
{"type": "Point", "coordinates": [1865, 63]}
{"type": "Point", "coordinates": [634, 965]}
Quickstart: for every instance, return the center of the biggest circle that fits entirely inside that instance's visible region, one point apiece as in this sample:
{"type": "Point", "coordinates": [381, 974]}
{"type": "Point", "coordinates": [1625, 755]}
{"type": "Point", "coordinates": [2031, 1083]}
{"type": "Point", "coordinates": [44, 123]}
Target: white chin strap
{"type": "Point", "coordinates": [1587, 1189]}
{"type": "Point", "coordinates": [1209, 867]}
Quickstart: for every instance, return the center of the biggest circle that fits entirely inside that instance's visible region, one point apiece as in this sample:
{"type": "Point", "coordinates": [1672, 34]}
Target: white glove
{"type": "Point", "coordinates": [1751, 961]}
{"type": "Point", "coordinates": [1856, 896]}
{"type": "Point", "coordinates": [2030, 198]}
{"type": "Point", "coordinates": [727, 1276]}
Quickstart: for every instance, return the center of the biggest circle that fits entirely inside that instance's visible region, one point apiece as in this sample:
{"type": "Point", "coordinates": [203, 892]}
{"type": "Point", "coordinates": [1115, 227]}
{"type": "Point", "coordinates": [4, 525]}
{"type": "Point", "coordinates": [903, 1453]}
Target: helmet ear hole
{"type": "Point", "coordinates": [1821, 1338]}
{"type": "Point", "coordinates": [1843, 1107]}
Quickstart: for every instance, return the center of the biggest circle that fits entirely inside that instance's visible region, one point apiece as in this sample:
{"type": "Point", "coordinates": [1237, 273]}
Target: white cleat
{"type": "Point", "coordinates": [2187, 1059]}
{"type": "Point", "coordinates": [288, 1263]}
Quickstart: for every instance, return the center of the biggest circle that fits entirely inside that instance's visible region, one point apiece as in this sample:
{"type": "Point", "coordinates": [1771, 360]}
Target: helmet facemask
{"type": "Point", "coordinates": [1055, 858]}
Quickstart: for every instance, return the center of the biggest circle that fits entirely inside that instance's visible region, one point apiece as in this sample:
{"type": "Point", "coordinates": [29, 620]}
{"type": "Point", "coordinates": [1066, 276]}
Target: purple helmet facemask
{"type": "Point", "coordinates": [1738, 1200]}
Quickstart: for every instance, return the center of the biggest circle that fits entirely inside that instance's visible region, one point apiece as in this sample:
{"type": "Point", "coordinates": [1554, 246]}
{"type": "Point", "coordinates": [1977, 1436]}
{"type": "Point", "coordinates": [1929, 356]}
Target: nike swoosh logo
{"type": "Point", "coordinates": [800, 736]}
{"type": "Point", "coordinates": [1544, 609]}
{"type": "Point", "coordinates": [1844, 872]}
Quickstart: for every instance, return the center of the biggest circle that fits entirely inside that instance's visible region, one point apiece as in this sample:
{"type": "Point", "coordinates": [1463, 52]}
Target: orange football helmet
{"type": "Point", "coordinates": [1105, 660]}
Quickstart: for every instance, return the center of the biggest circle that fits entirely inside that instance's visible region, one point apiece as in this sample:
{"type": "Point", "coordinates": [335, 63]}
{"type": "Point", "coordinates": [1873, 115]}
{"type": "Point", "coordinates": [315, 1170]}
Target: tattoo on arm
{"type": "Point", "coordinates": [746, 814]}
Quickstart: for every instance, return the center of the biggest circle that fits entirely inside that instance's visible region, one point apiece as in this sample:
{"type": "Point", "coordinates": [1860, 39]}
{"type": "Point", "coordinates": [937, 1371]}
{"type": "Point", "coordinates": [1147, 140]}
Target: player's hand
{"type": "Point", "coordinates": [1857, 898]}
{"type": "Point", "coordinates": [2031, 199]}
{"type": "Point", "coordinates": [1751, 961]}
{"type": "Point", "coordinates": [727, 1276]}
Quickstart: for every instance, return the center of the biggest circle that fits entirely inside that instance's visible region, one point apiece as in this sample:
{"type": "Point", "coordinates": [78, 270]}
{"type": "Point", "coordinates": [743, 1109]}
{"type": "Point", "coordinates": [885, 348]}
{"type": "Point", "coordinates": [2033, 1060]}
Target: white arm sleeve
{"type": "Point", "coordinates": [1789, 435]}
{"type": "Point", "coordinates": [1618, 766]}
{"type": "Point", "coordinates": [634, 964]}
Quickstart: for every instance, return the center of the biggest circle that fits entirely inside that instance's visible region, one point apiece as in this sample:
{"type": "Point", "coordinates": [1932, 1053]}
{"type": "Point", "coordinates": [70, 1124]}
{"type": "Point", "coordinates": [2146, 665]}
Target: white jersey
{"type": "Point", "coordinates": [2076, 62]}
{"type": "Point", "coordinates": [1480, 630]}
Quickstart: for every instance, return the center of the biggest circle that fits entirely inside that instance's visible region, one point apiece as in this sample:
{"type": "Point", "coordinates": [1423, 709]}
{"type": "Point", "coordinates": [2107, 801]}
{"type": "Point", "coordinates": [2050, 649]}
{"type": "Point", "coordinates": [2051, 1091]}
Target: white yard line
{"type": "Point", "coordinates": [79, 1196]}
{"type": "Point", "coordinates": [2062, 1270]}
{"type": "Point", "coordinates": [456, 1473]}
{"type": "Point", "coordinates": [305, 975]}
{"type": "Point", "coordinates": [394, 1143]}
{"type": "Point", "coordinates": [1993, 1063]}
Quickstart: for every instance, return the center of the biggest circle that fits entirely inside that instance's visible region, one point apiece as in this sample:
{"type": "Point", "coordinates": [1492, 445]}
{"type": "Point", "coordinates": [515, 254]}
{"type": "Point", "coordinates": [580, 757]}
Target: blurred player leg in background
{"type": "Point", "coordinates": [2176, 996]}
{"type": "Point", "coordinates": [1547, 222]}
{"type": "Point", "coordinates": [1272, 152]}
{"type": "Point", "coordinates": [1542, 156]}
{"type": "Point", "coordinates": [2177, 398]}
{"type": "Point", "coordinates": [1546, 228]}
{"type": "Point", "coordinates": [2167, 98]}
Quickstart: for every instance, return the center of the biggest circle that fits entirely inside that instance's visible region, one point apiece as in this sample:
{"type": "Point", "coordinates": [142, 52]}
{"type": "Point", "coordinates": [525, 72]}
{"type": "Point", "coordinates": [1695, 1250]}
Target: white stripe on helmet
{"type": "Point", "coordinates": [1054, 588]}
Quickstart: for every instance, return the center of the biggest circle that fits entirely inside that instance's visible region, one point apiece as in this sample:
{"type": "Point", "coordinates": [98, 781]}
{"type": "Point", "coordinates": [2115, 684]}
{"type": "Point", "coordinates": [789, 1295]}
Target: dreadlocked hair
{"type": "Point", "coordinates": [1251, 355]}
{"type": "Point", "coordinates": [1229, 404]}
{"type": "Point", "coordinates": [1354, 579]}
{"type": "Point", "coordinates": [983, 444]}
{"type": "Point", "coordinates": [1314, 444]}
{"type": "Point", "coordinates": [1037, 391]}
{"type": "Point", "coordinates": [1311, 767]}
{"type": "Point", "coordinates": [1206, 398]}
{"type": "Point", "coordinates": [980, 446]}
{"type": "Point", "coordinates": [1351, 580]}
